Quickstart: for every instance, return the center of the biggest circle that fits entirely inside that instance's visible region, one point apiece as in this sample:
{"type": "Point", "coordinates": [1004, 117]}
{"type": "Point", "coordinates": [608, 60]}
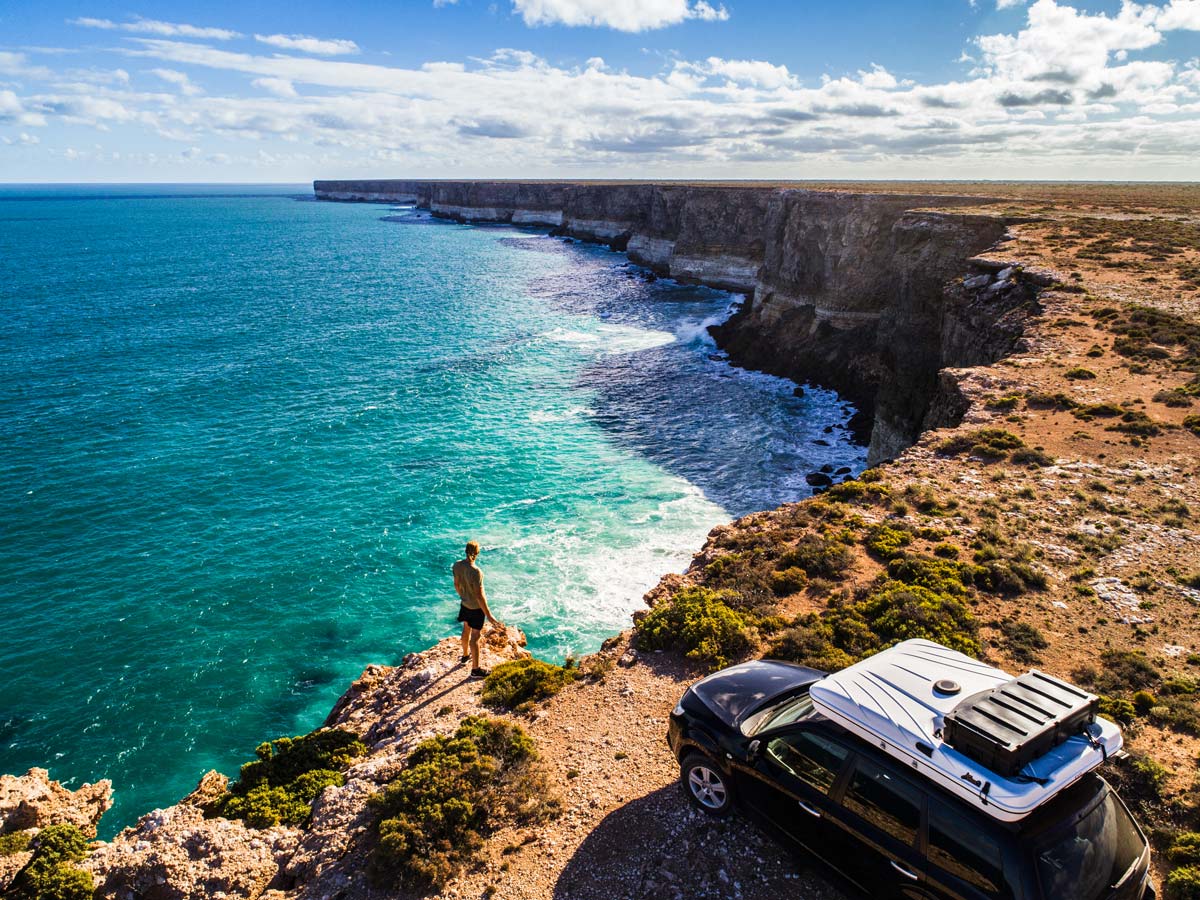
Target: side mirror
{"type": "Point", "coordinates": [753, 750]}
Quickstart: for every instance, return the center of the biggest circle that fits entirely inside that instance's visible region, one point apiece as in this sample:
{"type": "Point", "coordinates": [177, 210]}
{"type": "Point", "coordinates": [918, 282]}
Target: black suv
{"type": "Point", "coordinates": [749, 736]}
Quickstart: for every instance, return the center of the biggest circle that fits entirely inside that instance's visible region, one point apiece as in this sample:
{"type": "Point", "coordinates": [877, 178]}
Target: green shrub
{"type": "Point", "coordinates": [1080, 374]}
{"type": "Point", "coordinates": [1144, 701]}
{"type": "Point", "coordinates": [1117, 710]}
{"type": "Point", "coordinates": [884, 541]}
{"type": "Point", "coordinates": [522, 682]}
{"type": "Point", "coordinates": [1031, 456]}
{"type": "Point", "coordinates": [454, 791]}
{"type": "Point", "coordinates": [279, 787]}
{"type": "Point", "coordinates": [1003, 403]}
{"type": "Point", "coordinates": [1022, 641]}
{"type": "Point", "coordinates": [946, 550]}
{"type": "Point", "coordinates": [698, 623]}
{"type": "Point", "coordinates": [989, 443]}
{"type": "Point", "coordinates": [936, 574]}
{"type": "Point", "coordinates": [846, 491]}
{"type": "Point", "coordinates": [1121, 672]}
{"type": "Point", "coordinates": [898, 612]}
{"type": "Point", "coordinates": [820, 556]}
{"type": "Point", "coordinates": [16, 842]}
{"type": "Point", "coordinates": [1185, 851]}
{"type": "Point", "coordinates": [789, 581]}
{"type": "Point", "coordinates": [1192, 424]}
{"type": "Point", "coordinates": [49, 874]}
{"type": "Point", "coordinates": [1058, 400]}
{"type": "Point", "coordinates": [746, 573]}
{"type": "Point", "coordinates": [1183, 883]}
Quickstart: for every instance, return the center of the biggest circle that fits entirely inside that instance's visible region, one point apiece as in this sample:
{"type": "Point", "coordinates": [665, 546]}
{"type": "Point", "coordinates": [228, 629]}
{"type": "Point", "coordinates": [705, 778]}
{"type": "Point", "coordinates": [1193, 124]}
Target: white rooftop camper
{"type": "Point", "coordinates": [1006, 744]}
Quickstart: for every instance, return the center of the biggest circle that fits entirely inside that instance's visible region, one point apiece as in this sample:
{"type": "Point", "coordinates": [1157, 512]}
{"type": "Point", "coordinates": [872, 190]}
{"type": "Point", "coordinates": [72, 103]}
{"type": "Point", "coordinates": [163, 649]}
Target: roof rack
{"type": "Point", "coordinates": [1006, 744]}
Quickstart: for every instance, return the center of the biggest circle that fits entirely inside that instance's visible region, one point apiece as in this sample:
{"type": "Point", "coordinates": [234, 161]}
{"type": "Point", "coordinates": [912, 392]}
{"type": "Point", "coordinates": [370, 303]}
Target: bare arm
{"type": "Point", "coordinates": [484, 604]}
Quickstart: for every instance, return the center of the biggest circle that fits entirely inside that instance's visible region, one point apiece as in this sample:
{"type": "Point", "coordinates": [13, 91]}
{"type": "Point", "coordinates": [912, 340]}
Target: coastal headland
{"type": "Point", "coordinates": [1028, 360]}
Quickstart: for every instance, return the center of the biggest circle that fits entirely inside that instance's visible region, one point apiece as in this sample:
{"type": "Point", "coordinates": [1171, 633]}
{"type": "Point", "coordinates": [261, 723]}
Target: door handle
{"type": "Point", "coordinates": [808, 809]}
{"type": "Point", "coordinates": [912, 876]}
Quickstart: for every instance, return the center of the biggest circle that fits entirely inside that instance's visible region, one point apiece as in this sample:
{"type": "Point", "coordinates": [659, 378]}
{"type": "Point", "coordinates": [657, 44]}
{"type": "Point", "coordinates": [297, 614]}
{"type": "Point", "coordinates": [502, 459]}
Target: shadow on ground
{"type": "Point", "coordinates": [658, 846]}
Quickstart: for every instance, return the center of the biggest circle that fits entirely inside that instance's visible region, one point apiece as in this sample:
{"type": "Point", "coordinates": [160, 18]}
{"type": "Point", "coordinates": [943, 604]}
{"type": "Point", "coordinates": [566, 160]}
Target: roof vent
{"type": "Point", "coordinates": [947, 686]}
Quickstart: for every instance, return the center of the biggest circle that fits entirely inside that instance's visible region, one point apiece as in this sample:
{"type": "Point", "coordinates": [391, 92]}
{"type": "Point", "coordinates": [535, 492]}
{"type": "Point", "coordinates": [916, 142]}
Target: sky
{"type": "Point", "coordinates": [219, 91]}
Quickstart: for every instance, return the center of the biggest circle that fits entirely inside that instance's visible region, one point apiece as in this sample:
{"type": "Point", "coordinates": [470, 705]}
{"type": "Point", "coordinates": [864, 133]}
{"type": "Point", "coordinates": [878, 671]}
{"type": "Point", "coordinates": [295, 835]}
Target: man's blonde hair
{"type": "Point", "coordinates": [472, 548]}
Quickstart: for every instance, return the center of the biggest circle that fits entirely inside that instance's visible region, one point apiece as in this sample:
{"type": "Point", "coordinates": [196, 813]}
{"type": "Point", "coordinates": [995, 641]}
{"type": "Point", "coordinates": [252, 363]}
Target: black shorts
{"type": "Point", "coordinates": [473, 617]}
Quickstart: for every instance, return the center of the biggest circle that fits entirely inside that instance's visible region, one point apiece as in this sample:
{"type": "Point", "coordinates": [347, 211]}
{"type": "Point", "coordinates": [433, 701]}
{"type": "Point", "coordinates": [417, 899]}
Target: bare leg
{"type": "Point", "coordinates": [466, 634]}
{"type": "Point", "coordinates": [474, 648]}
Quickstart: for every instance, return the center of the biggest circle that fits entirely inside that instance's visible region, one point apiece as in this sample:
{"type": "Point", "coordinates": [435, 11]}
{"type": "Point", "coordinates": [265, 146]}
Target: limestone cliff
{"type": "Point", "coordinates": [858, 292]}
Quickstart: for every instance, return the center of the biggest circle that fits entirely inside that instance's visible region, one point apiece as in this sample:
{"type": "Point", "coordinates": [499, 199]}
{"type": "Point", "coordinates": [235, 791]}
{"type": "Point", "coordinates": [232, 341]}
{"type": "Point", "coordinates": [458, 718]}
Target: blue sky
{"type": "Point", "coordinates": [220, 91]}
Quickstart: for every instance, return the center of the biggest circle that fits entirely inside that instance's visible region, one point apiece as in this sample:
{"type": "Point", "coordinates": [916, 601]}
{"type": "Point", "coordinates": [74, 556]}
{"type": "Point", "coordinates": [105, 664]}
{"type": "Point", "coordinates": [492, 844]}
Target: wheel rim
{"type": "Point", "coordinates": [707, 787]}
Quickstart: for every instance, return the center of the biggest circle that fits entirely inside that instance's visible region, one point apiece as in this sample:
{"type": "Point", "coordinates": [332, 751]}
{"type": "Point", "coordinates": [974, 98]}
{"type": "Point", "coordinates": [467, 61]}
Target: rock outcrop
{"type": "Point", "coordinates": [859, 292]}
{"type": "Point", "coordinates": [33, 801]}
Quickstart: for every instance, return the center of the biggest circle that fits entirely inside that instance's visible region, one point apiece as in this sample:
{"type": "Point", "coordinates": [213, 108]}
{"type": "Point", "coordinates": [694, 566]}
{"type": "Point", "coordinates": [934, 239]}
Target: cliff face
{"type": "Point", "coordinates": [858, 292]}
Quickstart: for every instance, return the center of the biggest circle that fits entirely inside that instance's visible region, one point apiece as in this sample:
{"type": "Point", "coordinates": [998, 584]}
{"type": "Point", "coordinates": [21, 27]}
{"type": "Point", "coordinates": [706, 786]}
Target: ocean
{"type": "Point", "coordinates": [244, 435]}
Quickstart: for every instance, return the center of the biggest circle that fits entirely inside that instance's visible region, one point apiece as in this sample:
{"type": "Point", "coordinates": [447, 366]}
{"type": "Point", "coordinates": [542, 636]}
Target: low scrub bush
{"type": "Point", "coordinates": [989, 443]}
{"type": "Point", "coordinates": [936, 574]}
{"type": "Point", "coordinates": [1183, 883]}
{"type": "Point", "coordinates": [819, 555]}
{"type": "Point", "coordinates": [279, 787]}
{"type": "Point", "coordinates": [1192, 424]}
{"type": "Point", "coordinates": [1022, 641]}
{"type": "Point", "coordinates": [1041, 400]}
{"type": "Point", "coordinates": [885, 541]}
{"type": "Point", "coordinates": [522, 682]}
{"type": "Point", "coordinates": [789, 581]}
{"type": "Point", "coordinates": [1120, 672]}
{"type": "Point", "coordinates": [453, 792]}
{"type": "Point", "coordinates": [889, 613]}
{"type": "Point", "coordinates": [1185, 850]}
{"type": "Point", "coordinates": [1080, 374]}
{"type": "Point", "coordinates": [700, 624]}
{"type": "Point", "coordinates": [1032, 456]}
{"type": "Point", "coordinates": [16, 842]}
{"type": "Point", "coordinates": [50, 873]}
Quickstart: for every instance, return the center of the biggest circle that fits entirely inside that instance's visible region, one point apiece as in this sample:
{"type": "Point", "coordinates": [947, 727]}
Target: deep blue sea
{"type": "Point", "coordinates": [244, 435]}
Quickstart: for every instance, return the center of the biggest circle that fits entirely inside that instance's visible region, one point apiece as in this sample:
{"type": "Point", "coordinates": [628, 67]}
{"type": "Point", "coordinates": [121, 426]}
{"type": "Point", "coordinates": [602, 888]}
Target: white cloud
{"type": "Point", "coordinates": [153, 26]}
{"type": "Point", "coordinates": [280, 87]}
{"type": "Point", "coordinates": [180, 79]}
{"type": "Point", "coordinates": [1180, 14]}
{"type": "Point", "coordinates": [622, 15]}
{"type": "Point", "coordinates": [22, 138]}
{"type": "Point", "coordinates": [1005, 4]}
{"type": "Point", "coordinates": [878, 77]}
{"type": "Point", "coordinates": [1068, 94]}
{"type": "Point", "coordinates": [306, 44]}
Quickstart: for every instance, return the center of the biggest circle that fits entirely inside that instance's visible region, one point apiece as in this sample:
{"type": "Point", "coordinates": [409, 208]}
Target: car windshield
{"type": "Point", "coordinates": [1093, 856]}
{"type": "Point", "coordinates": [782, 713]}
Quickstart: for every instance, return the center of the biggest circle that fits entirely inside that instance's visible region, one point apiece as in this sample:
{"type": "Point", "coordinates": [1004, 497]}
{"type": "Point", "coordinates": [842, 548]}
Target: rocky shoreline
{"type": "Point", "coordinates": [1054, 464]}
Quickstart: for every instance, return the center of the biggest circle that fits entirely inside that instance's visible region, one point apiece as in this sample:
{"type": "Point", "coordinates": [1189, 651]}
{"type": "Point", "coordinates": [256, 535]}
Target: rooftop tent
{"type": "Point", "coordinates": [1006, 744]}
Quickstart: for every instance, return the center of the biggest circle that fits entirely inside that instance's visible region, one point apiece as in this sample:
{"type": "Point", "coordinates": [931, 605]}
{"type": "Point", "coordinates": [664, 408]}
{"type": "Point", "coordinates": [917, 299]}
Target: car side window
{"type": "Point", "coordinates": [959, 848]}
{"type": "Point", "coordinates": [810, 757]}
{"type": "Point", "coordinates": [892, 805]}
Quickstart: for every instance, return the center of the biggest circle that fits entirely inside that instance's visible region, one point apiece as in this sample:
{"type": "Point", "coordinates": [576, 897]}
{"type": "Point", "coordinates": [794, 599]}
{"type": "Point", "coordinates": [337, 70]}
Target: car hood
{"type": "Point", "coordinates": [734, 693]}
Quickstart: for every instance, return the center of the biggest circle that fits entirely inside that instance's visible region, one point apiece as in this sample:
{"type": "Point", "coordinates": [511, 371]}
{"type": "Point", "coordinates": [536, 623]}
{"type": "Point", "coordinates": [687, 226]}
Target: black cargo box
{"type": "Point", "coordinates": [1011, 725]}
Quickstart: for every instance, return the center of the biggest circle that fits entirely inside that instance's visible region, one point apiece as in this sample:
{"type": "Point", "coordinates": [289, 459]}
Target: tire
{"type": "Point", "coordinates": [706, 786]}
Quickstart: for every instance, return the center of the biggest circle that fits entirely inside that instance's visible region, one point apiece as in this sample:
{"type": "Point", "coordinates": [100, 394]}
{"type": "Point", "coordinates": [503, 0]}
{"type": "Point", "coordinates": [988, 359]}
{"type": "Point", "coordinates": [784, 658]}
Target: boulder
{"type": "Point", "coordinates": [32, 800]}
{"type": "Point", "coordinates": [818, 479]}
{"type": "Point", "coordinates": [177, 854]}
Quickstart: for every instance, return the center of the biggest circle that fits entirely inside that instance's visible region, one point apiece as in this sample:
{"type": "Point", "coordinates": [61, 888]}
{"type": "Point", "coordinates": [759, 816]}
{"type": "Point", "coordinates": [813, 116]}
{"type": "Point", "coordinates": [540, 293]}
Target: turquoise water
{"type": "Point", "coordinates": [243, 436]}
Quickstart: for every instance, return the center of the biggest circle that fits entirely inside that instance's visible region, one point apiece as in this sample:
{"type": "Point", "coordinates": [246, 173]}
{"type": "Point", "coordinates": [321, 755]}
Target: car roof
{"type": "Point", "coordinates": [1065, 806]}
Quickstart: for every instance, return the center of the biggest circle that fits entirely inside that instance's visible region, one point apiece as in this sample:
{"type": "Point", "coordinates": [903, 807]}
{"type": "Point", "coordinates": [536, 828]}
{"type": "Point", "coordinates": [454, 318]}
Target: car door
{"type": "Point", "coordinates": [877, 824]}
{"type": "Point", "coordinates": [795, 771]}
{"type": "Point", "coordinates": [965, 860]}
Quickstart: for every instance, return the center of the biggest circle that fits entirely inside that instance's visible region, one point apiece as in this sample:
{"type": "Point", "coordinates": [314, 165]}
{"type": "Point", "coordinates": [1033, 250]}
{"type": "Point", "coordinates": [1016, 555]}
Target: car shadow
{"type": "Point", "coordinates": [659, 846]}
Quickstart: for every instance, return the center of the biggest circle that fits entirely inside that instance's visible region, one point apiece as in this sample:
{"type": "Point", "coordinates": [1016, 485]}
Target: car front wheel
{"type": "Point", "coordinates": [706, 786]}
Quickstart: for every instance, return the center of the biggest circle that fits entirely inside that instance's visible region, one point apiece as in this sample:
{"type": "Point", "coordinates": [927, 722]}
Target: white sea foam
{"type": "Point", "coordinates": [608, 338]}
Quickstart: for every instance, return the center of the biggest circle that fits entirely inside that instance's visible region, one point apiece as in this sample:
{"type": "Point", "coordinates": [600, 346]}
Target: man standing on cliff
{"type": "Point", "coordinates": [468, 581]}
